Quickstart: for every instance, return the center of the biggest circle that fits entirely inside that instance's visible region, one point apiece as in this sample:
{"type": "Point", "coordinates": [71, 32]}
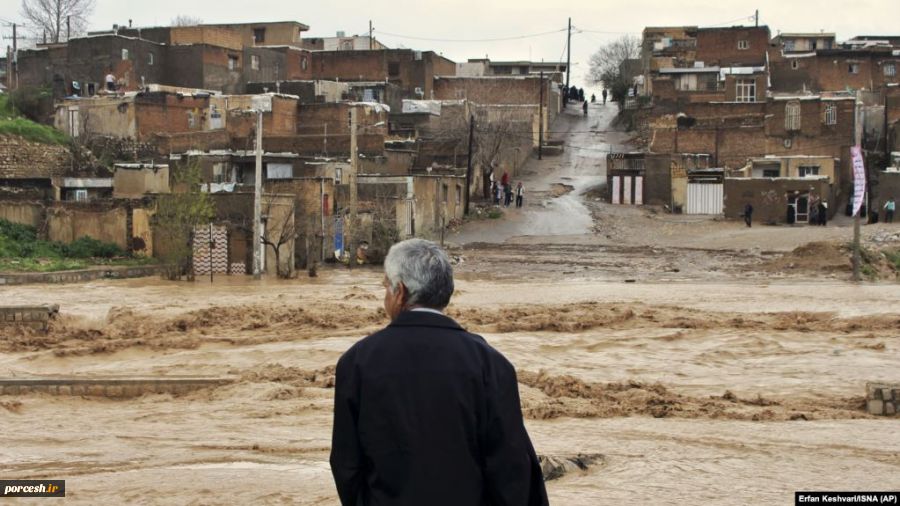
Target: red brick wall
{"type": "Point", "coordinates": [719, 46]}
{"type": "Point", "coordinates": [167, 113]}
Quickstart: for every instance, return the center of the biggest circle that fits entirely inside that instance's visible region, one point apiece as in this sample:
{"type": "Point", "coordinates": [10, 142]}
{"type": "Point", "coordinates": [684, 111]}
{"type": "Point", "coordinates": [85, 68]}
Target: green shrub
{"type": "Point", "coordinates": [32, 131]}
{"type": "Point", "coordinates": [88, 247]}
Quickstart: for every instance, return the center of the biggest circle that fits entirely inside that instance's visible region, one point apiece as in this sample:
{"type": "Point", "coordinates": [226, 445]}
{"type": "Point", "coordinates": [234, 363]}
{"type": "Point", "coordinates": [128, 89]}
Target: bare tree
{"type": "Point", "coordinates": [278, 232]}
{"type": "Point", "coordinates": [58, 19]}
{"type": "Point", "coordinates": [185, 20]}
{"type": "Point", "coordinates": [605, 64]}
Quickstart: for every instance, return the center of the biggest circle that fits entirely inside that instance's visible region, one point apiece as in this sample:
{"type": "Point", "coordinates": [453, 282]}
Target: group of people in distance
{"type": "Point", "coordinates": [502, 192]}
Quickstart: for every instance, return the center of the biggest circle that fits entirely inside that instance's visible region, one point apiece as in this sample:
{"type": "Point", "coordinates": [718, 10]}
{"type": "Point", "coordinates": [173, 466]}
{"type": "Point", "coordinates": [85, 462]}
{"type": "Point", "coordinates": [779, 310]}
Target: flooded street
{"type": "Point", "coordinates": [695, 372]}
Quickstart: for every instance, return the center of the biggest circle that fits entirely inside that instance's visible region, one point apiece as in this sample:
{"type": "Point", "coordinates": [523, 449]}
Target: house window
{"type": "Point", "coordinates": [853, 68]}
{"type": "Point", "coordinates": [889, 69]}
{"type": "Point", "coordinates": [795, 64]}
{"type": "Point", "coordinates": [124, 54]}
{"type": "Point", "coordinates": [259, 35]}
{"type": "Point", "coordinates": [745, 90]}
{"type": "Point", "coordinates": [830, 114]}
{"type": "Point", "coordinates": [303, 63]}
{"type": "Point", "coordinates": [80, 195]}
{"type": "Point", "coordinates": [771, 172]}
{"type": "Point", "coordinates": [445, 193]}
{"type": "Point", "coordinates": [232, 62]}
{"type": "Point", "coordinates": [254, 62]}
{"type": "Point", "coordinates": [743, 44]}
{"type": "Point", "coordinates": [792, 116]}
{"type": "Point", "coordinates": [458, 194]}
{"type": "Point", "coordinates": [149, 58]}
{"type": "Point", "coordinates": [393, 69]}
{"type": "Point", "coordinates": [218, 172]}
{"type": "Point", "coordinates": [808, 171]}
{"type": "Point", "coordinates": [789, 45]}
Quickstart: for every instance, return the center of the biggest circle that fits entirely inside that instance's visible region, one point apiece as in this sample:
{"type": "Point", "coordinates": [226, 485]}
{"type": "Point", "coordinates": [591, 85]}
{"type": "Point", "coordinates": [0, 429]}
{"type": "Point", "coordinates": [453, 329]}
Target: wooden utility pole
{"type": "Point", "coordinates": [257, 201]}
{"type": "Point", "coordinates": [756, 17]}
{"type": "Point", "coordinates": [14, 80]}
{"type": "Point", "coordinates": [371, 36]}
{"type": "Point", "coordinates": [354, 160]}
{"type": "Point", "coordinates": [856, 219]}
{"type": "Point", "coordinates": [541, 122]}
{"type": "Point", "coordinates": [569, 54]}
{"type": "Point", "coordinates": [469, 163]}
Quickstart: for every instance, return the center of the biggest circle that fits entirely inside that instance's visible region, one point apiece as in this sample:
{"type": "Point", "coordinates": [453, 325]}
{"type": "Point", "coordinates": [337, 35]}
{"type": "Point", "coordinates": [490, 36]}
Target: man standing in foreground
{"type": "Point", "coordinates": [424, 412]}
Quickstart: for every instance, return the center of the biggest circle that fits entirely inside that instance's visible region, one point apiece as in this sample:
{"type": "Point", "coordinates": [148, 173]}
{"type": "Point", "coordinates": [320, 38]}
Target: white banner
{"type": "Point", "coordinates": [859, 178]}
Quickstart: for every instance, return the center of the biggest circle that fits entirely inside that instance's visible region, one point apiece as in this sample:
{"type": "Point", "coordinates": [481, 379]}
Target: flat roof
{"type": "Point", "coordinates": [809, 34]}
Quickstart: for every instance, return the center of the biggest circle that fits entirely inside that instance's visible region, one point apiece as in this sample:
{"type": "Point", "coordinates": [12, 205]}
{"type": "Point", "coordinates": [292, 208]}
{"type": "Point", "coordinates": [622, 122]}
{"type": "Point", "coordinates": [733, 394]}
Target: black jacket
{"type": "Point", "coordinates": [427, 414]}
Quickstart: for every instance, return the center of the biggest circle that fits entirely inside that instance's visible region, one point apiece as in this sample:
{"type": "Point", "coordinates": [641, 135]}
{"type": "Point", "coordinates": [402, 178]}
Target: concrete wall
{"type": "Point", "coordinates": [769, 197]}
{"type": "Point", "coordinates": [131, 182]}
{"type": "Point", "coordinates": [66, 223]}
{"type": "Point", "coordinates": [313, 216]}
{"type": "Point", "coordinates": [26, 213]}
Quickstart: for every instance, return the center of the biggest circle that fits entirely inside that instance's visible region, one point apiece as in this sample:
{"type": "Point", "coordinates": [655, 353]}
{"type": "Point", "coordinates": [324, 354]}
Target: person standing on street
{"type": "Point", "coordinates": [748, 214]}
{"type": "Point", "coordinates": [584, 106]}
{"type": "Point", "coordinates": [823, 213]}
{"type": "Point", "coordinates": [604, 96]}
{"type": "Point", "coordinates": [508, 195]}
{"type": "Point", "coordinates": [889, 207]}
{"type": "Point", "coordinates": [425, 412]}
{"type": "Point", "coordinates": [520, 194]}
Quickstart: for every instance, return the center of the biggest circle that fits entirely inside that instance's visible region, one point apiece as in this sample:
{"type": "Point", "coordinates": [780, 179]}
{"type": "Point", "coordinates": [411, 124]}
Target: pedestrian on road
{"type": "Point", "coordinates": [584, 107]}
{"type": "Point", "coordinates": [748, 214]}
{"type": "Point", "coordinates": [823, 213]}
{"type": "Point", "coordinates": [508, 195]}
{"type": "Point", "coordinates": [604, 96]}
{"type": "Point", "coordinates": [425, 412]}
{"type": "Point", "coordinates": [593, 98]}
{"type": "Point", "coordinates": [520, 194]}
{"type": "Point", "coordinates": [889, 207]}
{"type": "Point", "coordinates": [498, 194]}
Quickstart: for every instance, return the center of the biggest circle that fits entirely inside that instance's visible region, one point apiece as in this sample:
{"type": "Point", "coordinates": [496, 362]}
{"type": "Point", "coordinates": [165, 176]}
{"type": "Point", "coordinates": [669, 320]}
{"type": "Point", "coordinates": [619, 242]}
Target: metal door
{"type": "Point", "coordinates": [705, 198]}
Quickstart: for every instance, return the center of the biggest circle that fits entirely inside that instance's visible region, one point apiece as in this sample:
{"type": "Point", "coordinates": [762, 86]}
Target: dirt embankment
{"type": "Point", "coordinates": [590, 315]}
{"type": "Point", "coordinates": [549, 396]}
{"type": "Point", "coordinates": [249, 324]}
{"type": "Point", "coordinates": [881, 262]}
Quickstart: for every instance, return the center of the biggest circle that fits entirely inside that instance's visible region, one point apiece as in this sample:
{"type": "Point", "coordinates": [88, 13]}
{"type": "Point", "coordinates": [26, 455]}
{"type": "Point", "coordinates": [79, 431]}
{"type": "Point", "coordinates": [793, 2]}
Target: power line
{"type": "Point", "coordinates": [497, 39]}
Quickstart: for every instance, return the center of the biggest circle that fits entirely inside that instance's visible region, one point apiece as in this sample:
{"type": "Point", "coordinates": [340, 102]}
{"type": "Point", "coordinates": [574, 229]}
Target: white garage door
{"type": "Point", "coordinates": [705, 198]}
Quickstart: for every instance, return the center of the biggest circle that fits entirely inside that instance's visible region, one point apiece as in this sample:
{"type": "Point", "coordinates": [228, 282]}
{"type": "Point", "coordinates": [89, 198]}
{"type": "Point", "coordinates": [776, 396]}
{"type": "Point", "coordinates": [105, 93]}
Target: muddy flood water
{"type": "Point", "coordinates": [721, 393]}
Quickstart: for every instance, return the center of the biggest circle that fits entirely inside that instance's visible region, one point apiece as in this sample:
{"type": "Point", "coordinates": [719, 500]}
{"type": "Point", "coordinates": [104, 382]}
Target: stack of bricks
{"type": "Point", "coordinates": [37, 317]}
{"type": "Point", "coordinates": [882, 399]}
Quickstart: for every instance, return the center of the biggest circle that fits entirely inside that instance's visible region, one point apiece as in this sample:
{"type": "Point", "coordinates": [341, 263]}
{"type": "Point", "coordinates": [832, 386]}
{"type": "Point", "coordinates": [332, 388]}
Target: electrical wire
{"type": "Point", "coordinates": [497, 39]}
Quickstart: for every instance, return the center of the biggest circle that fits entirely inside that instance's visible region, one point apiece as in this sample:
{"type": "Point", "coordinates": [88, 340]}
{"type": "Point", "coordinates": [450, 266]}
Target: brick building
{"type": "Point", "coordinates": [412, 71]}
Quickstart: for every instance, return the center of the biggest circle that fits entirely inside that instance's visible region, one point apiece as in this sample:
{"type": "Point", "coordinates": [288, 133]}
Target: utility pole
{"type": "Point", "coordinates": [371, 37]}
{"type": "Point", "coordinates": [325, 141]}
{"type": "Point", "coordinates": [469, 163]}
{"type": "Point", "coordinates": [354, 158]}
{"type": "Point", "coordinates": [68, 27]}
{"type": "Point", "coordinates": [569, 54]}
{"type": "Point", "coordinates": [15, 55]}
{"type": "Point", "coordinates": [856, 219]}
{"type": "Point", "coordinates": [756, 17]}
{"type": "Point", "coordinates": [257, 201]}
{"type": "Point", "coordinates": [541, 122]}
{"type": "Point", "coordinates": [887, 150]}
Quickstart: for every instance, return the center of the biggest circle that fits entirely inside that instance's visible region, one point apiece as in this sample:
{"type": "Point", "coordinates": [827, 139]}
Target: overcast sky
{"type": "Point", "coordinates": [411, 21]}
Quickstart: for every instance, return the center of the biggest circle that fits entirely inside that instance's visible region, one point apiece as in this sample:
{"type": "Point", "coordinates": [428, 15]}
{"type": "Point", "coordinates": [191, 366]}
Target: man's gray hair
{"type": "Point", "coordinates": [424, 269]}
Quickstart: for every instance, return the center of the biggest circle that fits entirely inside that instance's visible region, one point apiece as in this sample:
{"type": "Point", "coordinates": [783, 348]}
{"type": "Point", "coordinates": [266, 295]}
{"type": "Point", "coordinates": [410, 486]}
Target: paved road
{"type": "Point", "coordinates": [582, 166]}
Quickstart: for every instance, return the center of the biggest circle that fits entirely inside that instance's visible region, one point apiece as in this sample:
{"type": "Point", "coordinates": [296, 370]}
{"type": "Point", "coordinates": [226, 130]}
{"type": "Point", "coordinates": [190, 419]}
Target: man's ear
{"type": "Point", "coordinates": [402, 293]}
